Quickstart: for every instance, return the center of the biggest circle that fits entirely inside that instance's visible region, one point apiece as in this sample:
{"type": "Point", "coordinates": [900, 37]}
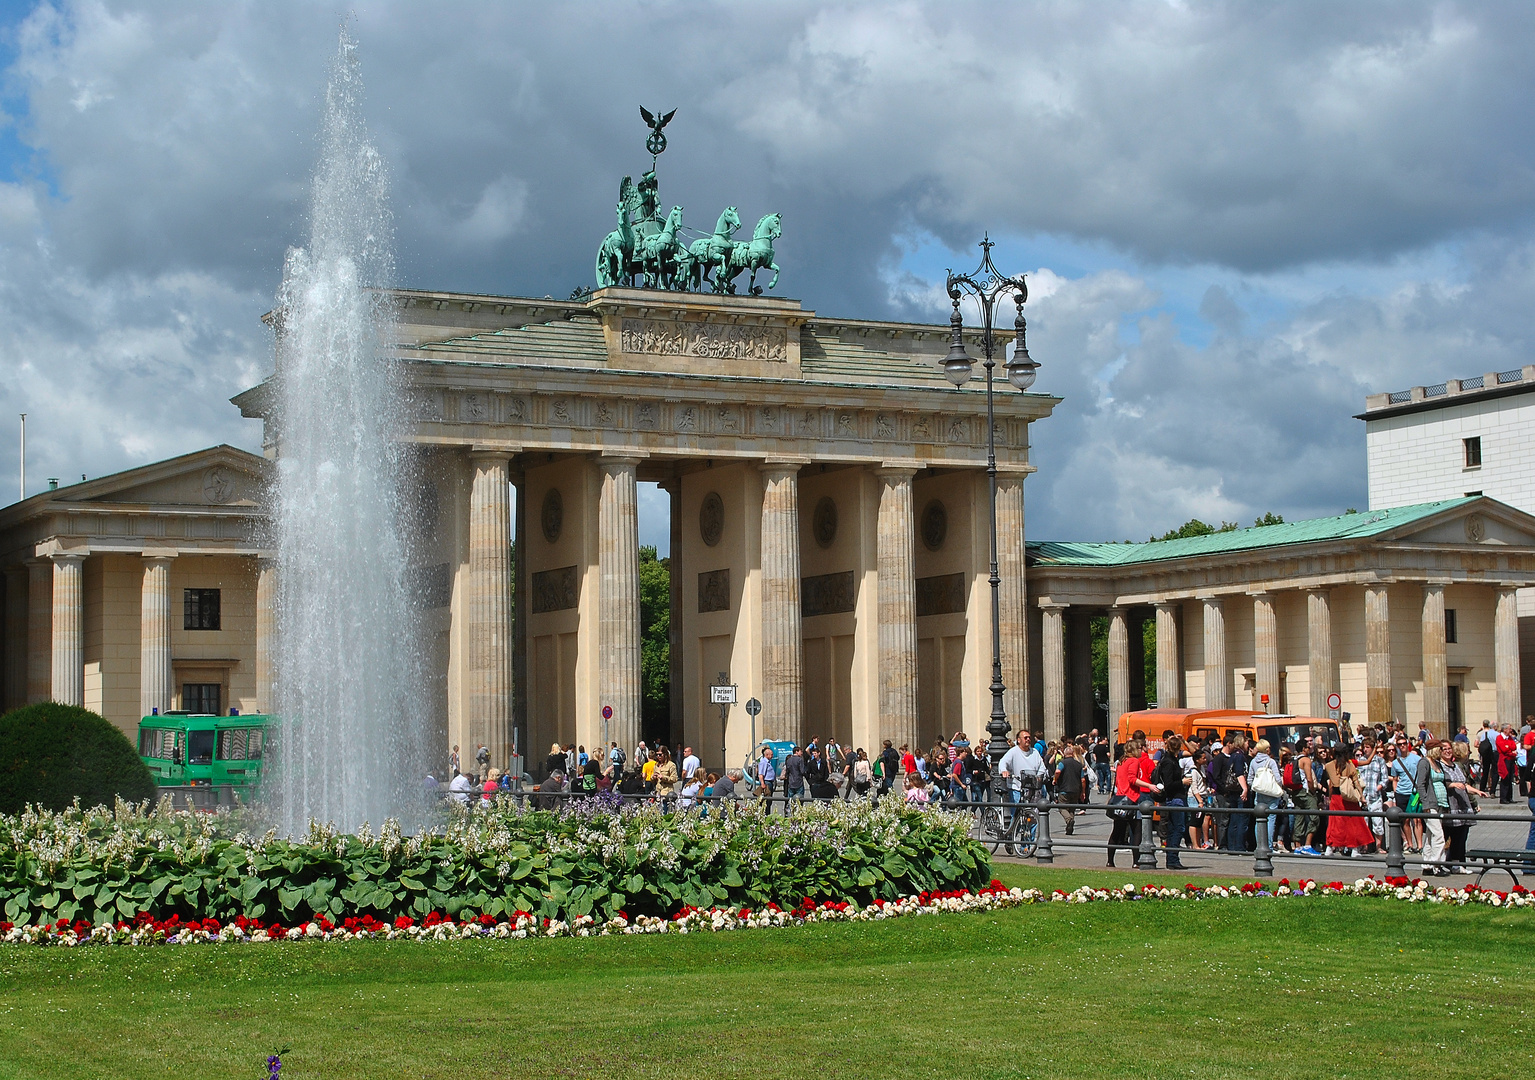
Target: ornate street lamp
{"type": "Point", "coordinates": [988, 286]}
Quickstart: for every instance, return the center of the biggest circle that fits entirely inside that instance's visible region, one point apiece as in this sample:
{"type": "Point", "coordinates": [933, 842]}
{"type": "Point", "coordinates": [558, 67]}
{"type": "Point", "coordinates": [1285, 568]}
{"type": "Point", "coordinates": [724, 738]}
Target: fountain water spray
{"type": "Point", "coordinates": [348, 676]}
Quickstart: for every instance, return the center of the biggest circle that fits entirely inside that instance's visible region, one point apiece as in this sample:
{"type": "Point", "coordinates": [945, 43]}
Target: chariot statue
{"type": "Point", "coordinates": [655, 252]}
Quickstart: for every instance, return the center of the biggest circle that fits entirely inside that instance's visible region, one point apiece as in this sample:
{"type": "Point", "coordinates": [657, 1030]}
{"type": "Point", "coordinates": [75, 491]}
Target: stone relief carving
{"type": "Point", "coordinates": [957, 429]}
{"type": "Point", "coordinates": [1476, 528]}
{"type": "Point", "coordinates": [714, 590]}
{"type": "Point", "coordinates": [687, 419]}
{"type": "Point", "coordinates": [552, 517]}
{"type": "Point", "coordinates": [554, 590]}
{"type": "Point", "coordinates": [647, 417]}
{"type": "Point", "coordinates": [935, 525]}
{"type": "Point", "coordinates": [845, 425]}
{"type": "Point", "coordinates": [711, 519]}
{"type": "Point", "coordinates": [604, 413]}
{"type": "Point", "coordinates": [807, 423]}
{"type": "Point", "coordinates": [517, 408]}
{"type": "Point", "coordinates": [220, 485]}
{"type": "Point", "coordinates": [475, 407]}
{"type": "Point", "coordinates": [943, 594]}
{"type": "Point", "coordinates": [883, 428]}
{"type": "Point", "coordinates": [921, 428]}
{"type": "Point", "coordinates": [716, 340]}
{"type": "Point", "coordinates": [824, 522]}
{"type": "Point", "coordinates": [770, 420]}
{"type": "Point", "coordinates": [559, 411]}
{"type": "Point", "coordinates": [726, 420]}
{"type": "Point", "coordinates": [827, 594]}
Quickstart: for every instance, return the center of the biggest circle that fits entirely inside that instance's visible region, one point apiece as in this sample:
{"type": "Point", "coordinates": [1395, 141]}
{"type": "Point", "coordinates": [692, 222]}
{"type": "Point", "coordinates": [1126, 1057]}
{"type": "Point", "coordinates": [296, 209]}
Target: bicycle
{"type": "Point", "coordinates": [1014, 827]}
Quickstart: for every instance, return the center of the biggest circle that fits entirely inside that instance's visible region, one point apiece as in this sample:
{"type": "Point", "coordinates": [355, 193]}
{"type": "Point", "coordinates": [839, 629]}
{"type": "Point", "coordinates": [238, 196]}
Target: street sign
{"type": "Point", "coordinates": [1334, 702]}
{"type": "Point", "coordinates": [722, 695]}
{"type": "Point", "coordinates": [607, 712]}
{"type": "Point", "coordinates": [753, 706]}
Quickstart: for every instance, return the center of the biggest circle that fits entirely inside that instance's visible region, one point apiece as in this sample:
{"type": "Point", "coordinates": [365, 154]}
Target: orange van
{"type": "Point", "coordinates": [1223, 723]}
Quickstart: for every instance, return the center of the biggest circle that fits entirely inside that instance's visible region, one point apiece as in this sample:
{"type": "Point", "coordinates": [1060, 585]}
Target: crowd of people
{"type": "Point", "coordinates": [1321, 798]}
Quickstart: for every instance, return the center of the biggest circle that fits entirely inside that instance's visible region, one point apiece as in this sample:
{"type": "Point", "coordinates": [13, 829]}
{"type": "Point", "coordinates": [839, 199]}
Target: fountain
{"type": "Point", "coordinates": [348, 677]}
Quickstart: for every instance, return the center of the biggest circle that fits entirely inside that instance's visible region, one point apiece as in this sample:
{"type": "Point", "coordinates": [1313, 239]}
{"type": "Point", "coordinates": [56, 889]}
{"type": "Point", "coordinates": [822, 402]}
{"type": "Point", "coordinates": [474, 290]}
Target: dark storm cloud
{"type": "Point", "coordinates": [1262, 142]}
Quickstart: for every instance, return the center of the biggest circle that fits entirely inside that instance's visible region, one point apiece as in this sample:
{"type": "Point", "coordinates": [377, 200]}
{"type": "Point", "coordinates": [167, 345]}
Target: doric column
{"type": "Point", "coordinates": [1119, 665]}
{"type": "Point", "coordinates": [896, 571]}
{"type": "Point", "coordinates": [155, 634]}
{"type": "Point", "coordinates": [15, 636]}
{"type": "Point", "coordinates": [1079, 661]}
{"type": "Point", "coordinates": [1217, 676]}
{"type": "Point", "coordinates": [675, 732]}
{"type": "Point", "coordinates": [783, 690]}
{"type": "Point", "coordinates": [1265, 651]}
{"type": "Point", "coordinates": [39, 630]}
{"type": "Point", "coordinates": [618, 596]}
{"type": "Point", "coordinates": [1011, 600]}
{"type": "Point", "coordinates": [1169, 658]}
{"type": "Point", "coordinates": [1436, 705]}
{"type": "Point", "coordinates": [488, 702]}
{"type": "Point", "coordinates": [521, 588]}
{"type": "Point", "coordinates": [1377, 654]}
{"type": "Point", "coordinates": [1053, 647]}
{"type": "Point", "coordinates": [68, 629]}
{"type": "Point", "coordinates": [1505, 653]}
{"type": "Point", "coordinates": [1319, 648]}
{"type": "Point", "coordinates": [266, 632]}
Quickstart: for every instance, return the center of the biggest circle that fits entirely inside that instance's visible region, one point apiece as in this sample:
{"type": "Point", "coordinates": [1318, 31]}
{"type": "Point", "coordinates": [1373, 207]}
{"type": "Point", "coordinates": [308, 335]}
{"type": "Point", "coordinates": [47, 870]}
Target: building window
{"type": "Point", "coordinates": [1449, 625]}
{"type": "Point", "coordinates": [201, 609]}
{"type": "Point", "coordinates": [1473, 447]}
{"type": "Point", "coordinates": [201, 697]}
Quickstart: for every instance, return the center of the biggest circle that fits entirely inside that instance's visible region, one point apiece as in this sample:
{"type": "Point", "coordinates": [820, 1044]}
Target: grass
{"type": "Point", "coordinates": [1336, 987]}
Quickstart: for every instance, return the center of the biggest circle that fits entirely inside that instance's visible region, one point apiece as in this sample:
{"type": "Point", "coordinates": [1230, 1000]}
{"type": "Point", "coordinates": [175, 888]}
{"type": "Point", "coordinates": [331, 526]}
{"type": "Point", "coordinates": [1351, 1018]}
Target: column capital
{"type": "Point", "coordinates": [1431, 587]}
{"type": "Point", "coordinates": [484, 452]}
{"type": "Point", "coordinates": [1261, 594]}
{"type": "Point", "coordinates": [1052, 605]}
{"type": "Point", "coordinates": [1211, 601]}
{"type": "Point", "coordinates": [1167, 605]}
{"type": "Point", "coordinates": [617, 464]}
{"type": "Point", "coordinates": [896, 470]}
{"type": "Point", "coordinates": [1319, 590]}
{"type": "Point", "coordinates": [775, 469]}
{"type": "Point", "coordinates": [159, 556]}
{"type": "Point", "coordinates": [67, 558]}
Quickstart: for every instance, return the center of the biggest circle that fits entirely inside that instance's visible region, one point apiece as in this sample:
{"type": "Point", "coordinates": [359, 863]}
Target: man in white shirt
{"type": "Point", "coordinates": [689, 763]}
{"type": "Point", "coordinates": [459, 789]}
{"type": "Point", "coordinates": [1022, 763]}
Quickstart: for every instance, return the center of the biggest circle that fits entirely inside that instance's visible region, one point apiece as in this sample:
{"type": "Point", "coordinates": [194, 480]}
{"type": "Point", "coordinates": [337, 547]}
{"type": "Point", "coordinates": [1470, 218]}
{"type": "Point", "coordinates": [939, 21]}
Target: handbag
{"type": "Point", "coordinates": [1266, 784]}
{"type": "Point", "coordinates": [1118, 807]}
{"type": "Point", "coordinates": [1351, 790]}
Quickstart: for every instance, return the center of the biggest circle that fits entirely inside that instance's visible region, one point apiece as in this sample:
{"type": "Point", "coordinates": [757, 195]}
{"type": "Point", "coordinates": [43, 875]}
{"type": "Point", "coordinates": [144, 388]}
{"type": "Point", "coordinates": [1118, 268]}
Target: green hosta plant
{"type": "Point", "coordinates": [590, 859]}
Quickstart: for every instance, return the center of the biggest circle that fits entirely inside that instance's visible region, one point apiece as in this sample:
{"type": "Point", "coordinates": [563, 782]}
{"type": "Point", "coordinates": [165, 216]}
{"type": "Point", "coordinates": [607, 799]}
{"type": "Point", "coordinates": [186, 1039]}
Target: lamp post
{"type": "Point", "coordinates": [988, 286]}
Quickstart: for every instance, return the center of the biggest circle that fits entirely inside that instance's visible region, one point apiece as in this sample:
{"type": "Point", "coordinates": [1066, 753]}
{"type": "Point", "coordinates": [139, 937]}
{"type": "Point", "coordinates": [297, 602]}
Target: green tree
{"type": "Point", "coordinates": [655, 644]}
{"type": "Point", "coordinates": [1270, 518]}
{"type": "Point", "coordinates": [51, 754]}
{"type": "Point", "coordinates": [1195, 527]}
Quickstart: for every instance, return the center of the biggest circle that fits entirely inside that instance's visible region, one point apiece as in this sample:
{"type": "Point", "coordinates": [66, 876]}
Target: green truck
{"type": "Point", "coordinates": [201, 750]}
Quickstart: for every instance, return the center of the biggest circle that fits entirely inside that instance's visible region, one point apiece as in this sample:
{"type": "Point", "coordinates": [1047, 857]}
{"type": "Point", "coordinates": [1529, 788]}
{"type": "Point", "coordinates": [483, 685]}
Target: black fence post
{"type": "Point", "coordinates": [1043, 852]}
{"type": "Point", "coordinates": [1146, 854]}
{"type": "Point", "coordinates": [1396, 861]}
{"type": "Point", "coordinates": [1263, 861]}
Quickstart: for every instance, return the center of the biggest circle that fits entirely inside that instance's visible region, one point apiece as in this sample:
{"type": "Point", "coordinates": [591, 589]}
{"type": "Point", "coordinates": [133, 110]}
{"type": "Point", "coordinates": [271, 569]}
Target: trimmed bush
{"type": "Point", "coordinates": [52, 754]}
{"type": "Point", "coordinates": [588, 860]}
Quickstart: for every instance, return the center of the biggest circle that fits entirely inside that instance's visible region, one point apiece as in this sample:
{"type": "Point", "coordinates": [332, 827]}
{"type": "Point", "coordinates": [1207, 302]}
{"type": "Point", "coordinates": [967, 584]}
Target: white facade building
{"type": "Point", "coordinates": [1473, 436]}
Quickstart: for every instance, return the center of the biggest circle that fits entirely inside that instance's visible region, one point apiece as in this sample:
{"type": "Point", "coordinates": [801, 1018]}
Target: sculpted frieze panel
{"type": "Point", "coordinates": [714, 340]}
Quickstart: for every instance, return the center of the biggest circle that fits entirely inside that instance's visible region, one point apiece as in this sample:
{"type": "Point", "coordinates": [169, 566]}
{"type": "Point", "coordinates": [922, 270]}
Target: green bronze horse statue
{"type": "Point", "coordinates": [658, 254]}
{"type": "Point", "coordinates": [753, 255]}
{"type": "Point", "coordinates": [710, 252]}
{"type": "Point", "coordinates": [616, 252]}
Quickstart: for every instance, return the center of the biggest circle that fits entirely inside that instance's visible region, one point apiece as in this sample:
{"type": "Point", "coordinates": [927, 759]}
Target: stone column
{"type": "Point", "coordinates": [783, 639]}
{"type": "Point", "coordinates": [1217, 675]}
{"type": "Point", "coordinates": [1319, 648]}
{"type": "Point", "coordinates": [897, 605]}
{"type": "Point", "coordinates": [1013, 624]}
{"type": "Point", "coordinates": [68, 629]}
{"type": "Point", "coordinates": [1053, 647]}
{"type": "Point", "coordinates": [1505, 652]}
{"type": "Point", "coordinates": [1377, 654]}
{"type": "Point", "coordinates": [1079, 659]}
{"type": "Point", "coordinates": [1265, 651]}
{"type": "Point", "coordinates": [39, 630]}
{"type": "Point", "coordinates": [155, 687]}
{"type": "Point", "coordinates": [15, 637]}
{"type": "Point", "coordinates": [520, 609]}
{"type": "Point", "coordinates": [675, 734]}
{"type": "Point", "coordinates": [618, 598]}
{"type": "Point", "coordinates": [1119, 665]}
{"type": "Point", "coordinates": [1436, 704]}
{"type": "Point", "coordinates": [488, 702]}
{"type": "Point", "coordinates": [266, 633]}
{"type": "Point", "coordinates": [1169, 657]}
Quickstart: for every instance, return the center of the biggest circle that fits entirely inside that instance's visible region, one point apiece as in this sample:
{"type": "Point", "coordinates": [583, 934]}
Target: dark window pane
{"type": "Point", "coordinates": [200, 609]}
{"type": "Point", "coordinates": [201, 698]}
{"type": "Point", "coordinates": [200, 747]}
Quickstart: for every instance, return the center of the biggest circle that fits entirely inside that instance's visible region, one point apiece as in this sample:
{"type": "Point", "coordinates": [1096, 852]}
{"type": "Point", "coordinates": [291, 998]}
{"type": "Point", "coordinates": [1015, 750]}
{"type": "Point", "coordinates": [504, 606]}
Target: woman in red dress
{"type": "Point", "coordinates": [1345, 835]}
{"type": "Point", "coordinates": [1508, 750]}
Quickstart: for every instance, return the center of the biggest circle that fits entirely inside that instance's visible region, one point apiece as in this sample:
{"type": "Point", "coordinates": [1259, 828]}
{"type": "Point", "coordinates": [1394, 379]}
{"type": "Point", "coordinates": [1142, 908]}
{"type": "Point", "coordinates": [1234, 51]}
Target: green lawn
{"type": "Point", "coordinates": [1318, 987]}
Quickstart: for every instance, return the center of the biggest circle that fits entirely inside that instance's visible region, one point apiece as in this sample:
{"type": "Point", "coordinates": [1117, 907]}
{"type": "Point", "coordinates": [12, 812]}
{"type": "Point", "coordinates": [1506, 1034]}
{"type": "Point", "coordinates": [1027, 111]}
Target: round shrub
{"type": "Point", "coordinates": [51, 753]}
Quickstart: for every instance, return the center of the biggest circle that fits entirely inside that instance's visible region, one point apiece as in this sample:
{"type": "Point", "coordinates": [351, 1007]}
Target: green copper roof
{"type": "Point", "coordinates": [1343, 527]}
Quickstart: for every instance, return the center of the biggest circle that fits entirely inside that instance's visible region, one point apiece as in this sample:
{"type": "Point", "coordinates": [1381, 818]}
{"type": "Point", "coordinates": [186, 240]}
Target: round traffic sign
{"type": "Point", "coordinates": [753, 707]}
{"type": "Point", "coordinates": [607, 712]}
{"type": "Point", "coordinates": [1334, 701]}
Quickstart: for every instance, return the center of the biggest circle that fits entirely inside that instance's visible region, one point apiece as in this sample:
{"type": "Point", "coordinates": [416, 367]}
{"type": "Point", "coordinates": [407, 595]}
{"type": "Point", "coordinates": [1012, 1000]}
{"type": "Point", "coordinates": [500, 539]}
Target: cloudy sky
{"type": "Point", "coordinates": [1239, 218]}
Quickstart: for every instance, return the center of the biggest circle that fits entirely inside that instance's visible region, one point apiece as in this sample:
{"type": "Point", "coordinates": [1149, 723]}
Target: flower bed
{"type": "Point", "coordinates": [146, 930]}
{"type": "Point", "coordinates": [591, 860]}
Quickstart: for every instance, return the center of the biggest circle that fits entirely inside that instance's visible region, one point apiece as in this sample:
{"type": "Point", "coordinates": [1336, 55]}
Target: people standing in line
{"type": "Point", "coordinates": [1403, 770]}
{"type": "Point", "coordinates": [1231, 786]}
{"type": "Point", "coordinates": [1374, 779]}
{"type": "Point", "coordinates": [1433, 797]}
{"type": "Point", "coordinates": [1201, 822]}
{"type": "Point", "coordinates": [1170, 789]}
{"type": "Point", "coordinates": [1266, 784]}
{"type": "Point", "coordinates": [1462, 804]}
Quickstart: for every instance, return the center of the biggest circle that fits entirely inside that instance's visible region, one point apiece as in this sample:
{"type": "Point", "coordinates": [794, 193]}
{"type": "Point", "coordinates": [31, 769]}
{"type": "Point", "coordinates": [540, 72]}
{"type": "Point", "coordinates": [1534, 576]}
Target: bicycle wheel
{"type": "Point", "coordinates": [1028, 835]}
{"type": "Point", "coordinates": [996, 825]}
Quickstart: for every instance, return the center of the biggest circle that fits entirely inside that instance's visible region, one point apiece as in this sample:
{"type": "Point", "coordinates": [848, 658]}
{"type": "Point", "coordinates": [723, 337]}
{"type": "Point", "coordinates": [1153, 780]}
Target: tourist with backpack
{"type": "Point", "coordinates": [1300, 784]}
{"type": "Point", "coordinates": [1231, 788]}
